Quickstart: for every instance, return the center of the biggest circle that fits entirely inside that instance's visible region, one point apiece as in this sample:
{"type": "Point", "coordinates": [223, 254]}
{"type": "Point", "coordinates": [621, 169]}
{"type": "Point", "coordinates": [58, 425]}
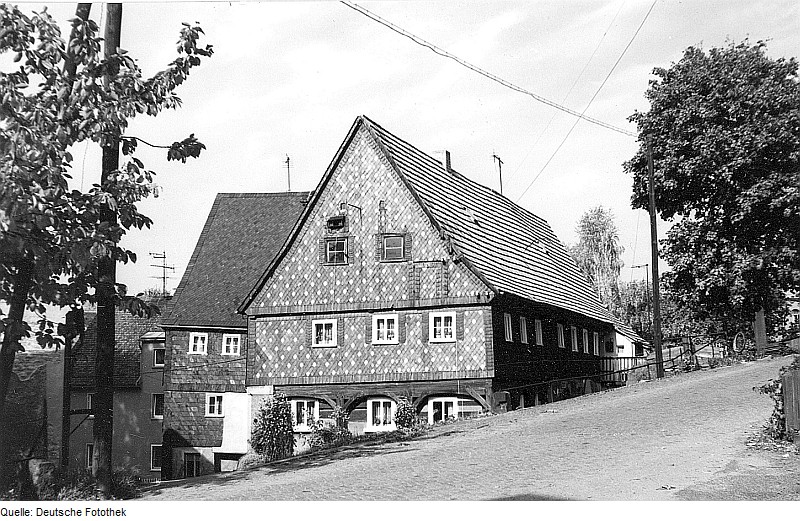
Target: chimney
{"type": "Point", "coordinates": [443, 156]}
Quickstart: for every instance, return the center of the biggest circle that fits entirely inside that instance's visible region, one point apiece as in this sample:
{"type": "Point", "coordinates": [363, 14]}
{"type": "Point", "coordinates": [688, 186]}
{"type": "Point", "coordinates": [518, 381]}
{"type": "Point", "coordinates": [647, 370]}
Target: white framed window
{"type": "Point", "coordinates": [198, 343]}
{"type": "Point", "coordinates": [538, 326]}
{"type": "Point", "coordinates": [442, 327]}
{"type": "Point", "coordinates": [324, 333]}
{"type": "Point", "coordinates": [560, 335]}
{"type": "Point", "coordinates": [573, 333]}
{"type": "Point", "coordinates": [523, 330]}
{"type": "Point", "coordinates": [595, 343]}
{"type": "Point", "coordinates": [304, 413]}
{"type": "Point", "coordinates": [385, 329]}
{"type": "Point", "coordinates": [157, 407]}
{"type": "Point", "coordinates": [380, 415]}
{"type": "Point", "coordinates": [585, 338]}
{"type": "Point", "coordinates": [158, 356]}
{"type": "Point", "coordinates": [508, 328]}
{"type": "Point", "coordinates": [90, 404]}
{"type": "Point", "coordinates": [89, 456]}
{"type": "Point", "coordinates": [155, 457]}
{"type": "Point", "coordinates": [230, 344]}
{"type": "Point", "coordinates": [336, 250]}
{"type": "Point", "coordinates": [393, 247]}
{"type": "Point", "coordinates": [214, 405]}
{"type": "Point", "coordinates": [440, 409]}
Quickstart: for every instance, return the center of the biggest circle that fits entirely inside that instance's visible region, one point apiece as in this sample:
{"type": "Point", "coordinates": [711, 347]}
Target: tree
{"type": "Point", "coordinates": [598, 253]}
{"type": "Point", "coordinates": [725, 128]}
{"type": "Point", "coordinates": [52, 239]}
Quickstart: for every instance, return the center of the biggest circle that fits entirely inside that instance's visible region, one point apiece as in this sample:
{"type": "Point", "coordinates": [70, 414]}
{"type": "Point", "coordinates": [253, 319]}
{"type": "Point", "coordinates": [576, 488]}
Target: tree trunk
{"type": "Point", "coordinates": [23, 280]}
{"type": "Point", "coordinates": [104, 369]}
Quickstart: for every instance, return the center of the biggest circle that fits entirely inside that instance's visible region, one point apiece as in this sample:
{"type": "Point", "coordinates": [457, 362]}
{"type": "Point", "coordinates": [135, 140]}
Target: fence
{"type": "Point", "coordinates": [791, 399]}
{"type": "Point", "coordinates": [615, 369]}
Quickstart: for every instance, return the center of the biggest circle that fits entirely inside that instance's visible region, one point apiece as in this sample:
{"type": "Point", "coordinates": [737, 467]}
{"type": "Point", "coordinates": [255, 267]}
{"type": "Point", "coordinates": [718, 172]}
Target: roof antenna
{"type": "Point", "coordinates": [495, 157]}
{"type": "Point", "coordinates": [164, 267]}
{"type": "Point", "coordinates": [288, 174]}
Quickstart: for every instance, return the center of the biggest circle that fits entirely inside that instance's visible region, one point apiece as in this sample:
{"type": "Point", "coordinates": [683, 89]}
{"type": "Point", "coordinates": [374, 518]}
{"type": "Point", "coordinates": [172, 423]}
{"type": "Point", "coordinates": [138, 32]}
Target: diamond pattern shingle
{"type": "Point", "coordinates": [241, 236]}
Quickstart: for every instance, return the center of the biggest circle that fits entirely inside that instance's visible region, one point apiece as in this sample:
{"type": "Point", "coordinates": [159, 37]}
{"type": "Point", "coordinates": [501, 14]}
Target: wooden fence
{"type": "Point", "coordinates": [791, 399]}
{"type": "Point", "coordinates": [615, 368]}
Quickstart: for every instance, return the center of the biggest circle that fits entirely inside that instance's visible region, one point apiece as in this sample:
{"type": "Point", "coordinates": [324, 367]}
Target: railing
{"type": "Point", "coordinates": [615, 369]}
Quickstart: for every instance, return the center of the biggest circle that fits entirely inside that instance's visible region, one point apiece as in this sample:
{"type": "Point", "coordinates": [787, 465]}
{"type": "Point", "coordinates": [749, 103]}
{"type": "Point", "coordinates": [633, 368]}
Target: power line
{"type": "Point", "coordinates": [493, 77]}
{"type": "Point", "coordinates": [591, 101]}
{"type": "Point", "coordinates": [572, 87]}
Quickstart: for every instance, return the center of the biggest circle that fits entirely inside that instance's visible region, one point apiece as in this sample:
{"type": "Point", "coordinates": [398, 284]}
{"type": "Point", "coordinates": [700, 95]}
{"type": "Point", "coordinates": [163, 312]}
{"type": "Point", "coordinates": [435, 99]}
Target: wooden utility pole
{"type": "Point", "coordinates": [107, 277]}
{"type": "Point", "coordinates": [82, 12]}
{"type": "Point", "coordinates": [654, 265]}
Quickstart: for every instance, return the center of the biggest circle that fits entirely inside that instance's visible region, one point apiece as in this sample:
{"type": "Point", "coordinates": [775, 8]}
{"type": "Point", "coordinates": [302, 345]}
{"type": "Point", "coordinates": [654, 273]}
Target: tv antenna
{"type": "Point", "coordinates": [288, 174]}
{"type": "Point", "coordinates": [495, 157]}
{"type": "Point", "coordinates": [164, 267]}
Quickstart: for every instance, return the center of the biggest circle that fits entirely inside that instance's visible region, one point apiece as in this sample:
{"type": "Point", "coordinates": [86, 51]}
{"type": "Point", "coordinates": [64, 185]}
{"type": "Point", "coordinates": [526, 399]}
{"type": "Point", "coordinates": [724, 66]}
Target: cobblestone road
{"type": "Point", "coordinates": [654, 441]}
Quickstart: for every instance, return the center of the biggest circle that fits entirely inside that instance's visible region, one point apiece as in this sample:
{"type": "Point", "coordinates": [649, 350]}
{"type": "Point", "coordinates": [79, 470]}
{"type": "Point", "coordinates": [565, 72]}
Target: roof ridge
{"type": "Point", "coordinates": [469, 180]}
{"type": "Point", "coordinates": [243, 195]}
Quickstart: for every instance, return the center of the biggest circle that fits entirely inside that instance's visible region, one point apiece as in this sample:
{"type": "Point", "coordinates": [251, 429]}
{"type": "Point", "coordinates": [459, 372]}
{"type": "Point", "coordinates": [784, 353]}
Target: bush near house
{"type": "Point", "coordinates": [272, 435]}
{"type": "Point", "coordinates": [406, 416]}
{"type": "Point", "coordinates": [776, 425]}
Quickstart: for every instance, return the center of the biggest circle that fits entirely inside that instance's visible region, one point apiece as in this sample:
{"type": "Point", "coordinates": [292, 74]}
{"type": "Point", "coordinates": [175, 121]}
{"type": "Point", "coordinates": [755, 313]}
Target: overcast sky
{"type": "Point", "coordinates": [290, 78]}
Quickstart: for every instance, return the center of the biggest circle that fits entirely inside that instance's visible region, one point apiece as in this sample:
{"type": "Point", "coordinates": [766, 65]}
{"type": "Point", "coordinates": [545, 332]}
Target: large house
{"type": "Point", "coordinates": [397, 277]}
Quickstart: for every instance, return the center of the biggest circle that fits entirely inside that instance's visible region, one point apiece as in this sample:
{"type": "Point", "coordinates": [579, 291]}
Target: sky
{"type": "Point", "coordinates": [289, 78]}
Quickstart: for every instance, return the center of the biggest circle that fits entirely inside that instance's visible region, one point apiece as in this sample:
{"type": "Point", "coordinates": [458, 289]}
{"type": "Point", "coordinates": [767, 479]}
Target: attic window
{"type": "Point", "coordinates": [336, 223]}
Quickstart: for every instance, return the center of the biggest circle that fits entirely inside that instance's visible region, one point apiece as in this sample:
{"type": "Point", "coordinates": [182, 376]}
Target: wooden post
{"type": "Point", "coordinates": [106, 290]}
{"type": "Point", "coordinates": [654, 265]}
{"type": "Point", "coordinates": [760, 331]}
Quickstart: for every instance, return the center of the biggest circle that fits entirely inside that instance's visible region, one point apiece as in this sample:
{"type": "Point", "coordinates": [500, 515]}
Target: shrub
{"type": "Point", "coordinates": [324, 435]}
{"type": "Point", "coordinates": [406, 416]}
{"type": "Point", "coordinates": [272, 435]}
{"type": "Point", "coordinates": [83, 487]}
{"type": "Point", "coordinates": [776, 424]}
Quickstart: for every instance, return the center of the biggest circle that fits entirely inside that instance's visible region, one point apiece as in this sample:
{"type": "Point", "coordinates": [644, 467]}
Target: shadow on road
{"type": "Point", "coordinates": [528, 497]}
{"type": "Point", "coordinates": [310, 461]}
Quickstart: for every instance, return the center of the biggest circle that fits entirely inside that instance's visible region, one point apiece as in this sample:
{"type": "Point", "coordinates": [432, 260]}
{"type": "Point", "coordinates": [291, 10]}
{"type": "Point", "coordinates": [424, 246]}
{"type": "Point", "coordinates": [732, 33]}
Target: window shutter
{"type": "Point", "coordinates": [401, 328]}
{"type": "Point", "coordinates": [349, 249]}
{"type": "Point", "coordinates": [309, 333]}
{"type": "Point", "coordinates": [425, 325]}
{"type": "Point", "coordinates": [459, 325]}
{"type": "Point", "coordinates": [340, 331]}
{"type": "Point", "coordinates": [368, 329]}
{"type": "Point", "coordinates": [322, 256]}
{"type": "Point", "coordinates": [378, 246]}
{"type": "Point", "coordinates": [407, 247]}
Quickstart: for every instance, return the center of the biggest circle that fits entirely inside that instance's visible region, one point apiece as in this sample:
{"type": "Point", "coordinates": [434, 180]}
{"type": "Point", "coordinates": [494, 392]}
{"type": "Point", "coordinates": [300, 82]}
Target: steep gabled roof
{"type": "Point", "coordinates": [241, 236]}
{"type": "Point", "coordinates": [516, 251]}
{"type": "Point", "coordinates": [507, 247]}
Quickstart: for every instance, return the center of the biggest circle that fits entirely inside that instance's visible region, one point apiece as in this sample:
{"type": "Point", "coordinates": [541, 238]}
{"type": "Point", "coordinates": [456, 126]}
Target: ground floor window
{"type": "Point", "coordinates": [441, 409]}
{"type": "Point", "coordinates": [155, 457]}
{"type": "Point", "coordinates": [304, 413]}
{"type": "Point", "coordinates": [89, 456]}
{"type": "Point", "coordinates": [191, 464]}
{"type": "Point", "coordinates": [380, 415]}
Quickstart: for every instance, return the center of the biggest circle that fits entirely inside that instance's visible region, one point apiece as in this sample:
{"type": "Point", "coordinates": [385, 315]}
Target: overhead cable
{"type": "Point", "coordinates": [590, 101]}
{"type": "Point", "coordinates": [493, 77]}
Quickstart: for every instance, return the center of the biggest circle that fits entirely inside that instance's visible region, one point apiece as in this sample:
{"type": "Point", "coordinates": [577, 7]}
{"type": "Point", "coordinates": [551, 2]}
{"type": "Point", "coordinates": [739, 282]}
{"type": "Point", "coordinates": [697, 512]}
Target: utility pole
{"type": "Point", "coordinates": [649, 300]}
{"type": "Point", "coordinates": [82, 11]}
{"type": "Point", "coordinates": [500, 168]}
{"type": "Point", "coordinates": [654, 265]}
{"type": "Point", "coordinates": [288, 174]}
{"type": "Point", "coordinates": [106, 290]}
{"type": "Point", "coordinates": [163, 258]}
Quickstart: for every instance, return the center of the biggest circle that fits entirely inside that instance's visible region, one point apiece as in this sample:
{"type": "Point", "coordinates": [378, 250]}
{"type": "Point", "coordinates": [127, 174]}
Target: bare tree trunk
{"type": "Point", "coordinates": [23, 280]}
{"type": "Point", "coordinates": [104, 369]}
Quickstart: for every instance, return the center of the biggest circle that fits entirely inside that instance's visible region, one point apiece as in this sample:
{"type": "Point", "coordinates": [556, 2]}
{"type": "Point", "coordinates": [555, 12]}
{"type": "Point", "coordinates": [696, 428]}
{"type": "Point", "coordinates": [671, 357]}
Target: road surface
{"type": "Point", "coordinates": [680, 438]}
